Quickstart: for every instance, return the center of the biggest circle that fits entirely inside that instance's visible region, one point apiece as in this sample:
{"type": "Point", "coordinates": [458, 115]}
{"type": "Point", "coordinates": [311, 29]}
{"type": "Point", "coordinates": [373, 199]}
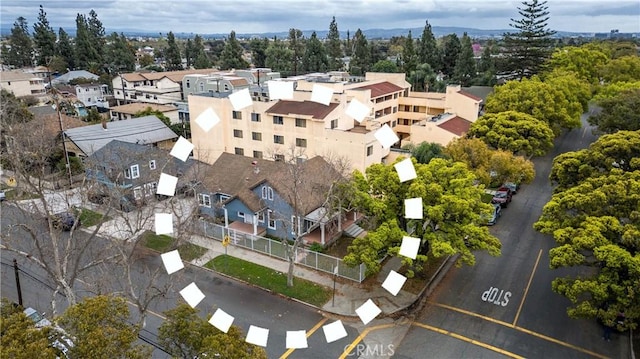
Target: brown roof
{"type": "Point", "coordinates": [173, 75]}
{"type": "Point", "coordinates": [47, 123]}
{"type": "Point", "coordinates": [135, 107]}
{"type": "Point", "coordinates": [474, 97]}
{"type": "Point", "coordinates": [241, 81]}
{"type": "Point", "coordinates": [307, 108]}
{"type": "Point", "coordinates": [17, 75]}
{"type": "Point", "coordinates": [381, 89]}
{"type": "Point", "coordinates": [456, 125]}
{"type": "Point", "coordinates": [238, 175]}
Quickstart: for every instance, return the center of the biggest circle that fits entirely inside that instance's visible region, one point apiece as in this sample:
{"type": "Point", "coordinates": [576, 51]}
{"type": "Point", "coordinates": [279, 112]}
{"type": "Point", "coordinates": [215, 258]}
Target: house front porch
{"type": "Point", "coordinates": [327, 232]}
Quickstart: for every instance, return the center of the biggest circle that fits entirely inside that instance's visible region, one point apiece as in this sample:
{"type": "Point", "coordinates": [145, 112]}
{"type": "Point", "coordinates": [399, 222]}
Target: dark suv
{"type": "Point", "coordinates": [65, 221]}
{"type": "Point", "coordinates": [502, 196]}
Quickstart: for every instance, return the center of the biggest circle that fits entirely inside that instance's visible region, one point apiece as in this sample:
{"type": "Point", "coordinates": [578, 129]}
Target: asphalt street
{"type": "Point", "coordinates": [504, 306]}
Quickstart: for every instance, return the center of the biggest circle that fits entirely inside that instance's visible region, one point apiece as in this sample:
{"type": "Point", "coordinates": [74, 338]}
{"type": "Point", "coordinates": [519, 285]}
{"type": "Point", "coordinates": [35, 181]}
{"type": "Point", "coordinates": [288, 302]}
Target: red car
{"type": "Point", "coordinates": [502, 196]}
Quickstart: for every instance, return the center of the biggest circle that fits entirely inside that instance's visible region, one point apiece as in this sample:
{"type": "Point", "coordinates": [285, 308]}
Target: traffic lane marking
{"type": "Point", "coordinates": [468, 340]}
{"type": "Point", "coordinates": [520, 329]}
{"type": "Point", "coordinates": [311, 331]}
{"type": "Point", "coordinates": [350, 347]}
{"type": "Point", "coordinates": [526, 290]}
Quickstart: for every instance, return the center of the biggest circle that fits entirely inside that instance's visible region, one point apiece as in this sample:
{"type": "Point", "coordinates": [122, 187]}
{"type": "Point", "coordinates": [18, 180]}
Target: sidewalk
{"type": "Point", "coordinates": [348, 296]}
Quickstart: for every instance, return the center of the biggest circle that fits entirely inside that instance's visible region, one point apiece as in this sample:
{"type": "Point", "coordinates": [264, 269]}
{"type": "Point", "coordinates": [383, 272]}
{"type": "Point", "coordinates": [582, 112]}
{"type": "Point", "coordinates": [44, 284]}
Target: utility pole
{"type": "Point", "coordinates": [16, 271]}
{"type": "Point", "coordinates": [64, 137]}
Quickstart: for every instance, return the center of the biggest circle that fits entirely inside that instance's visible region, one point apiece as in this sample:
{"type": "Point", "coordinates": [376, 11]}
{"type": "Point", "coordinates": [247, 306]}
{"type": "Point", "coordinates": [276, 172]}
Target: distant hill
{"type": "Point", "coordinates": [372, 34]}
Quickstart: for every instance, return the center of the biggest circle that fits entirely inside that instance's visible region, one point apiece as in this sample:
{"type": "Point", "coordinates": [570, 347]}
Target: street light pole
{"type": "Point", "coordinates": [16, 270]}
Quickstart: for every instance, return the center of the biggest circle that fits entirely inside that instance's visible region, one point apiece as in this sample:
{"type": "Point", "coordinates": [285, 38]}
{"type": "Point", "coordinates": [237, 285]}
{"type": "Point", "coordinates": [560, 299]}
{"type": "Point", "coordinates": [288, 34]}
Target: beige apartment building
{"type": "Point", "coordinates": [22, 83]}
{"type": "Point", "coordinates": [281, 129]}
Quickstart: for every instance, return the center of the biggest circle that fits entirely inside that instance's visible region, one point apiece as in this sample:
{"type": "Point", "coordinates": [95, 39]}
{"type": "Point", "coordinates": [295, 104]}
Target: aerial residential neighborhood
{"type": "Point", "coordinates": [414, 190]}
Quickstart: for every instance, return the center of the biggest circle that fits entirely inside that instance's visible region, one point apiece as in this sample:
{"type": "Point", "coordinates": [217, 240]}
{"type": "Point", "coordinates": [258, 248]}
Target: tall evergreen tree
{"type": "Point", "coordinates": [428, 52]}
{"type": "Point", "coordinates": [44, 39]}
{"type": "Point", "coordinates": [200, 58]}
{"type": "Point", "coordinates": [258, 49]}
{"type": "Point", "coordinates": [409, 57]}
{"type": "Point", "coordinates": [334, 46]}
{"type": "Point", "coordinates": [487, 66]}
{"type": "Point", "coordinates": [189, 54]}
{"type": "Point", "coordinates": [20, 54]}
{"type": "Point", "coordinates": [88, 48]}
{"type": "Point", "coordinates": [278, 55]}
{"type": "Point", "coordinates": [465, 69]}
{"type": "Point", "coordinates": [361, 57]}
{"type": "Point", "coordinates": [231, 57]}
{"type": "Point", "coordinates": [527, 49]}
{"type": "Point", "coordinates": [296, 45]}
{"type": "Point", "coordinates": [315, 55]}
{"type": "Point", "coordinates": [450, 52]}
{"type": "Point", "coordinates": [64, 49]}
{"type": "Point", "coordinates": [119, 54]}
{"type": "Point", "coordinates": [172, 58]}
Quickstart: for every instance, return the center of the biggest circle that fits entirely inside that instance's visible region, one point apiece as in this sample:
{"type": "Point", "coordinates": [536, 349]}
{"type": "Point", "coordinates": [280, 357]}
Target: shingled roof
{"type": "Point", "coordinates": [237, 176]}
{"type": "Point", "coordinates": [381, 89]}
{"type": "Point", "coordinates": [456, 125]}
{"type": "Point", "coordinates": [307, 108]}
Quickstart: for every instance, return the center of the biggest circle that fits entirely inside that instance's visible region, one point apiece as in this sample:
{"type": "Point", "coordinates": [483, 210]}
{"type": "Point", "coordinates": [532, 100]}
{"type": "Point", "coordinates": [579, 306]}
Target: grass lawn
{"type": "Point", "coordinates": [419, 281]}
{"type": "Point", "coordinates": [90, 218]}
{"type": "Point", "coordinates": [13, 194]}
{"type": "Point", "coordinates": [163, 243]}
{"type": "Point", "coordinates": [267, 278]}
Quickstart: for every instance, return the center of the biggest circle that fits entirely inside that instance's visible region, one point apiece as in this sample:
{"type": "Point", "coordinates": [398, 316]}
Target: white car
{"type": "Point", "coordinates": [37, 318]}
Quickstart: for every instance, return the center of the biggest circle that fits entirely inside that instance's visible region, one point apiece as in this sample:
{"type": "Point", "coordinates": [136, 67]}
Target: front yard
{"type": "Point", "coordinates": [163, 243]}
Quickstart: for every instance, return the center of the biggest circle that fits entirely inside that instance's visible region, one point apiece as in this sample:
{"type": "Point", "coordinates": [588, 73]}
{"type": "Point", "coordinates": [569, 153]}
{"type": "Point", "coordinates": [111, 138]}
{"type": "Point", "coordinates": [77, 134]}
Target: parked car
{"type": "Point", "coordinates": [502, 196]}
{"type": "Point", "coordinates": [37, 318]}
{"type": "Point", "coordinates": [3, 195]}
{"type": "Point", "coordinates": [513, 186]}
{"type": "Point", "coordinates": [65, 221]}
{"type": "Point", "coordinates": [497, 212]}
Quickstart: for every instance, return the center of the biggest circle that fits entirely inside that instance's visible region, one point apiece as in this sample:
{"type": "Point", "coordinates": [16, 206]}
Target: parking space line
{"type": "Point", "coordinates": [348, 349]}
{"type": "Point", "coordinates": [311, 331]}
{"type": "Point", "coordinates": [520, 329]}
{"type": "Point", "coordinates": [526, 290]}
{"type": "Point", "coordinates": [468, 340]}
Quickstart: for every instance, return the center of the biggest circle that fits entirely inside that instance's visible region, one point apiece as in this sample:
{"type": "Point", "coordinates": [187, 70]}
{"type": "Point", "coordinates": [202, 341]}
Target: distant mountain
{"type": "Point", "coordinates": [372, 34]}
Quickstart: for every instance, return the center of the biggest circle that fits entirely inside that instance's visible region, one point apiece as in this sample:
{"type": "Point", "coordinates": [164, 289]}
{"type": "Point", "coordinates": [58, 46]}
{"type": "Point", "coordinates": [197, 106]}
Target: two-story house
{"type": "Point", "coordinates": [128, 111]}
{"type": "Point", "coordinates": [128, 172]}
{"type": "Point", "coordinates": [22, 83]}
{"type": "Point", "coordinates": [93, 95]}
{"type": "Point", "coordinates": [270, 197]}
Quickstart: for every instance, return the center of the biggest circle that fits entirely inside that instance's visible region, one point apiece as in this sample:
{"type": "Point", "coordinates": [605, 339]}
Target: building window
{"type": "Point", "coordinates": [393, 123]}
{"type": "Point", "coordinates": [301, 142]}
{"type": "Point", "coordinates": [137, 193]}
{"type": "Point", "coordinates": [223, 197]}
{"type": "Point", "coordinates": [260, 217]}
{"type": "Point", "coordinates": [188, 84]}
{"type": "Point", "coordinates": [152, 164]}
{"type": "Point", "coordinates": [294, 225]}
{"type": "Point", "coordinates": [237, 133]}
{"type": "Point", "coordinates": [278, 120]}
{"type": "Point", "coordinates": [264, 192]}
{"type": "Point", "coordinates": [204, 200]}
{"type": "Point", "coordinates": [135, 171]}
{"type": "Point", "coordinates": [278, 157]}
{"type": "Point", "coordinates": [301, 122]}
{"type": "Point", "coordinates": [237, 115]}
{"type": "Point", "coordinates": [239, 151]}
{"type": "Point", "coordinates": [267, 193]}
{"type": "Point", "coordinates": [271, 220]}
{"type": "Point", "coordinates": [257, 154]}
{"type": "Point", "coordinates": [255, 117]}
{"type": "Point", "coordinates": [127, 173]}
{"type": "Point", "coordinates": [334, 124]}
{"type": "Point", "coordinates": [369, 150]}
{"type": "Point", "coordinates": [256, 136]}
{"type": "Point", "coordinates": [278, 139]}
{"type": "Point", "coordinates": [241, 215]}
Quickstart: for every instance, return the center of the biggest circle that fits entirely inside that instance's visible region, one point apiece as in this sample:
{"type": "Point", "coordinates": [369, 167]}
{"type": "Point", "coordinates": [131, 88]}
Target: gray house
{"type": "Point", "coordinates": [269, 197]}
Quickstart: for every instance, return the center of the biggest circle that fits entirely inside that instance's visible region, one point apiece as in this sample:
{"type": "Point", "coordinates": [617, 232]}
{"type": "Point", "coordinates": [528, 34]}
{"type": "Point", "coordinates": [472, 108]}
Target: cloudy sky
{"type": "Point", "coordinates": [253, 16]}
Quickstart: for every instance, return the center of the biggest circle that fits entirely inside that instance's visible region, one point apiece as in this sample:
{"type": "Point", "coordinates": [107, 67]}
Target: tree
{"type": "Point", "coordinates": [622, 69]}
{"type": "Point", "coordinates": [424, 79]}
{"type": "Point", "coordinates": [409, 56]}
{"type": "Point", "coordinates": [297, 47]}
{"type": "Point", "coordinates": [89, 42]}
{"type": "Point", "coordinates": [527, 49]}
{"type": "Point", "coordinates": [584, 62]}
{"type": "Point", "coordinates": [465, 68]}
{"type": "Point", "coordinates": [334, 46]}
{"type": "Point", "coordinates": [618, 113]}
{"type": "Point", "coordinates": [277, 57]}
{"type": "Point", "coordinates": [487, 66]}
{"type": "Point", "coordinates": [258, 49]}
{"type": "Point", "coordinates": [315, 56]}
{"type": "Point", "coordinates": [172, 56]}
{"type": "Point", "coordinates": [451, 48]}
{"type": "Point", "coordinates": [189, 53]}
{"type": "Point", "coordinates": [425, 151]}
{"type": "Point", "coordinates": [385, 66]}
{"type": "Point", "coordinates": [361, 56]}
{"type": "Point", "coordinates": [452, 212]}
{"type": "Point", "coordinates": [428, 51]}
{"type": "Point", "coordinates": [65, 50]}
{"type": "Point", "coordinates": [231, 57]}
{"type": "Point", "coordinates": [146, 60]}
{"type": "Point", "coordinates": [613, 90]}
{"type": "Point", "coordinates": [20, 53]}
{"type": "Point", "coordinates": [618, 150]}
{"type": "Point", "coordinates": [186, 335]}
{"type": "Point", "coordinates": [100, 328]}
{"type": "Point", "coordinates": [20, 338]}
{"type": "Point", "coordinates": [595, 225]}
{"type": "Point", "coordinates": [515, 132]}
{"type": "Point", "coordinates": [538, 99]}
{"type": "Point", "coordinates": [574, 88]}
{"type": "Point", "coordinates": [44, 39]}
{"type": "Point", "coordinates": [200, 58]}
{"type": "Point", "coordinates": [491, 167]}
{"type": "Point", "coordinates": [119, 55]}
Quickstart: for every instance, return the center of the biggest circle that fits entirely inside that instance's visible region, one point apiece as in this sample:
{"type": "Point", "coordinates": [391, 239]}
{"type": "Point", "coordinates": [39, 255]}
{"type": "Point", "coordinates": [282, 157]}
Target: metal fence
{"type": "Point", "coordinates": [274, 248]}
